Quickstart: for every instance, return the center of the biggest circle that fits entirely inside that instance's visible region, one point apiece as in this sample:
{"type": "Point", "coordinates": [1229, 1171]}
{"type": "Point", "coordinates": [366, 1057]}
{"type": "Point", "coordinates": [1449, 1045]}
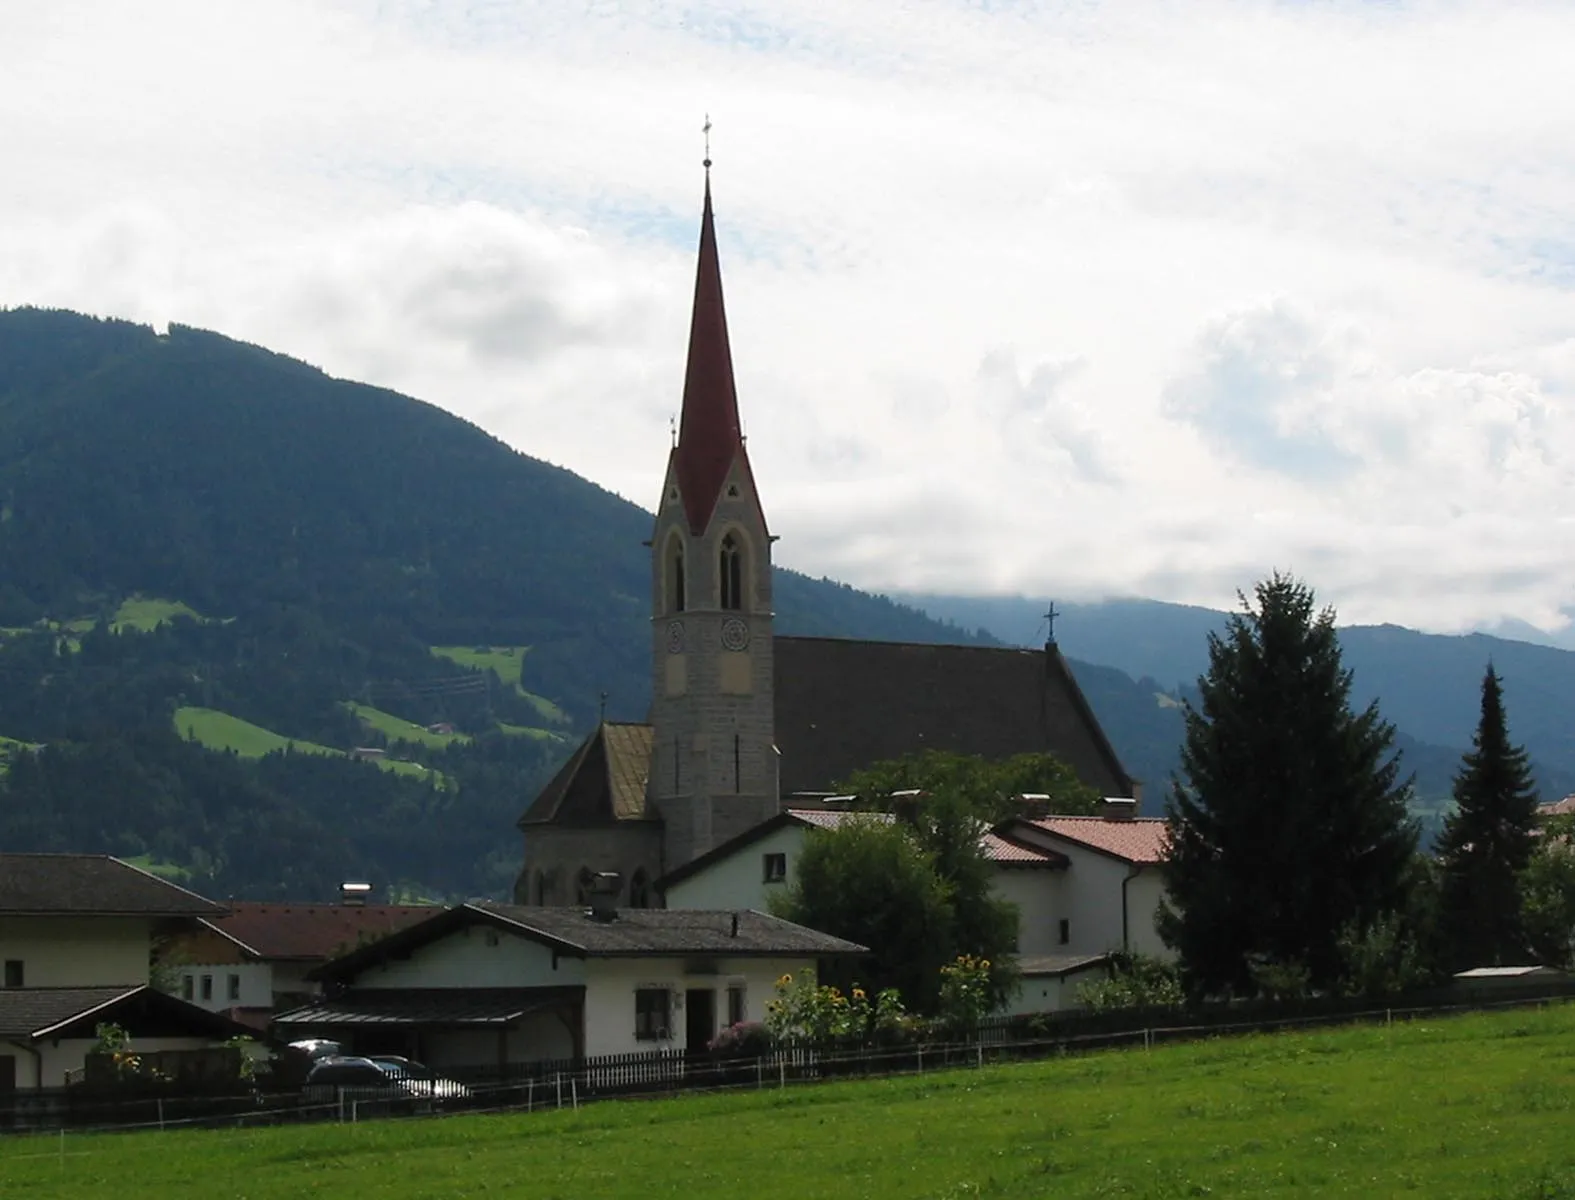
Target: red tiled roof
{"type": "Point", "coordinates": [1137, 839]}
{"type": "Point", "coordinates": [313, 931]}
{"type": "Point", "coordinates": [1557, 808]}
{"type": "Point", "coordinates": [831, 818]}
{"type": "Point", "coordinates": [1004, 850]}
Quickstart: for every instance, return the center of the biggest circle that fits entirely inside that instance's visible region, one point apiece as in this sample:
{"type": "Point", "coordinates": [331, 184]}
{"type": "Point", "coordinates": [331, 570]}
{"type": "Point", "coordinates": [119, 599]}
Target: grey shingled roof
{"type": "Point", "coordinates": [25, 1011]}
{"type": "Point", "coordinates": [429, 1006]}
{"type": "Point", "coordinates": [76, 1012]}
{"type": "Point", "coordinates": [635, 932]}
{"type": "Point", "coordinates": [91, 885]}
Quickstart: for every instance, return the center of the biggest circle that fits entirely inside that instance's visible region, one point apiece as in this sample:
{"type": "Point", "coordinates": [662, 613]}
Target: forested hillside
{"type": "Point", "coordinates": [222, 572]}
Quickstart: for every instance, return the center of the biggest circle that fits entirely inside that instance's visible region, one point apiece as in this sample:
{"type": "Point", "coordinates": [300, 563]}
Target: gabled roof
{"type": "Point", "coordinates": [634, 933]}
{"type": "Point", "coordinates": [1557, 808]}
{"type": "Point", "coordinates": [310, 932]}
{"type": "Point", "coordinates": [91, 885]}
{"type": "Point", "coordinates": [1058, 965]}
{"type": "Point", "coordinates": [842, 705]}
{"type": "Point", "coordinates": [1138, 840]}
{"type": "Point", "coordinates": [429, 1006]}
{"type": "Point", "coordinates": [38, 1013]}
{"type": "Point", "coordinates": [999, 848]}
{"type": "Point", "coordinates": [602, 781]}
{"type": "Point", "coordinates": [710, 435]}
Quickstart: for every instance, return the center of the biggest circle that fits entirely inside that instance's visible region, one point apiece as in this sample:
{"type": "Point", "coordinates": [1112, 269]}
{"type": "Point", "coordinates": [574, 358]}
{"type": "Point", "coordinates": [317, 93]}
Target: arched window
{"type": "Point", "coordinates": [541, 888]}
{"type": "Point", "coordinates": [583, 890]}
{"type": "Point", "coordinates": [730, 570]}
{"type": "Point", "coordinates": [639, 889]}
{"type": "Point", "coordinates": [677, 587]}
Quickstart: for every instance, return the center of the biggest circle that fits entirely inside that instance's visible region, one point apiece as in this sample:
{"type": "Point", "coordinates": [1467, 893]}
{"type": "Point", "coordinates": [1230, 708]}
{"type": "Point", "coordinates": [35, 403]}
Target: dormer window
{"type": "Point", "coordinates": [731, 572]}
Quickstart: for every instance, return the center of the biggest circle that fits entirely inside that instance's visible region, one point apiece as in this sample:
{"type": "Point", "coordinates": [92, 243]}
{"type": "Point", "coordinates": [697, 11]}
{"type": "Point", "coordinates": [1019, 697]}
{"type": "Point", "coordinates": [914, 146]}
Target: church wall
{"type": "Point", "coordinates": [561, 853]}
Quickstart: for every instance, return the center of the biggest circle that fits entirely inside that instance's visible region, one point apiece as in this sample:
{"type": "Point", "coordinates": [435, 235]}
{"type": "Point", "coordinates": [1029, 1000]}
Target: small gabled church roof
{"type": "Point", "coordinates": [843, 704]}
{"type": "Point", "coordinates": [602, 781]}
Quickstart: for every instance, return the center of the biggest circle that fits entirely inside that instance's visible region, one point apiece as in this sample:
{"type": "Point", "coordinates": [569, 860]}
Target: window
{"type": "Point", "coordinates": [207, 987]}
{"type": "Point", "coordinates": [541, 888]}
{"type": "Point", "coordinates": [731, 572]}
{"type": "Point", "coordinates": [490, 937]}
{"type": "Point", "coordinates": [677, 589]}
{"type": "Point", "coordinates": [13, 973]}
{"type": "Point", "coordinates": [736, 1009]}
{"type": "Point", "coordinates": [233, 988]}
{"type": "Point", "coordinates": [650, 1013]}
{"type": "Point", "coordinates": [774, 867]}
{"type": "Point", "coordinates": [639, 889]}
{"type": "Point", "coordinates": [582, 889]}
{"type": "Point", "coordinates": [1065, 931]}
{"type": "Point", "coordinates": [188, 987]}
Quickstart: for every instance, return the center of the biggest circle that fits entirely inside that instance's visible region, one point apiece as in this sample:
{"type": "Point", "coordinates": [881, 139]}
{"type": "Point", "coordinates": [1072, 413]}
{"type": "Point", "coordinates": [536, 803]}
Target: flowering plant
{"type": "Point", "coordinates": [809, 1011]}
{"type": "Point", "coordinates": [965, 990]}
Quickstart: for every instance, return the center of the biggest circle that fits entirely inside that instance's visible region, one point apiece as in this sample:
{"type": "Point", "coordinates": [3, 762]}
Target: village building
{"type": "Point", "coordinates": [253, 960]}
{"type": "Point", "coordinates": [482, 988]}
{"type": "Point", "coordinates": [78, 934]}
{"type": "Point", "coordinates": [744, 722]}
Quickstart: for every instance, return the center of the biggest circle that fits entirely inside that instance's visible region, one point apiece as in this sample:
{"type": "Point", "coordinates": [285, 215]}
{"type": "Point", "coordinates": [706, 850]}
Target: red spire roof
{"type": "Point", "coordinates": [709, 436]}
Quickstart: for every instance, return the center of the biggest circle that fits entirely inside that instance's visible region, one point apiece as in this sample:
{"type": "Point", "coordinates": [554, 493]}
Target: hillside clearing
{"type": "Point", "coordinates": [507, 662]}
{"type": "Point", "coordinates": [397, 729]}
{"type": "Point", "coordinates": [1464, 1106]}
{"type": "Point", "coordinates": [221, 731]}
{"type": "Point", "coordinates": [147, 613]}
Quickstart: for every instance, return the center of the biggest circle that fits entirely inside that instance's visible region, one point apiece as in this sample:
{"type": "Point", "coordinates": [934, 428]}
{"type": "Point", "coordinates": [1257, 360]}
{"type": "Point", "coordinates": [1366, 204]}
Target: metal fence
{"type": "Point", "coordinates": [573, 1082]}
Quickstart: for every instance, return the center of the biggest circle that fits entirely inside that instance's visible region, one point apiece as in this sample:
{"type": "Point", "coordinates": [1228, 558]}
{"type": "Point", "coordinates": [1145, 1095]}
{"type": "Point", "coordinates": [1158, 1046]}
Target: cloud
{"type": "Point", "coordinates": [996, 274]}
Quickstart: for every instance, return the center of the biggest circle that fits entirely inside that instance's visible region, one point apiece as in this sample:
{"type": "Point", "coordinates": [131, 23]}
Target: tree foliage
{"type": "Point", "coordinates": [1487, 843]}
{"type": "Point", "coordinates": [871, 882]}
{"type": "Point", "coordinates": [1289, 825]}
{"type": "Point", "coordinates": [1547, 895]}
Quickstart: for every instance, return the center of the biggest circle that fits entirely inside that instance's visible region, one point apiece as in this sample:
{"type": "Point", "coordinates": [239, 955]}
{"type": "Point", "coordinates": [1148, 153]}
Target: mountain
{"type": "Point", "coordinates": [1428, 685]}
{"type": "Point", "coordinates": [209, 552]}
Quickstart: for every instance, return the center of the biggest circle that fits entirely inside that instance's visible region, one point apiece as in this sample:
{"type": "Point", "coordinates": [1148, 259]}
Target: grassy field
{"type": "Point", "coordinates": [146, 613]}
{"type": "Point", "coordinates": [508, 663]}
{"type": "Point", "coordinates": [397, 729]}
{"type": "Point", "coordinates": [220, 731]}
{"type": "Point", "coordinates": [1465, 1106]}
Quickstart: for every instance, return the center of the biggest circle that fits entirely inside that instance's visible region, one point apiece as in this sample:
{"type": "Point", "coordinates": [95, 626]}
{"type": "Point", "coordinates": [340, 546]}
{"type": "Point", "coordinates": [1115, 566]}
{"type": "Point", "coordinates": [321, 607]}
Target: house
{"type": "Point", "coordinates": [253, 960]}
{"type": "Point", "coordinates": [743, 721]}
{"type": "Point", "coordinates": [482, 987]}
{"type": "Point", "coordinates": [77, 937]}
{"type": "Point", "coordinates": [1084, 887]}
{"type": "Point", "coordinates": [1109, 893]}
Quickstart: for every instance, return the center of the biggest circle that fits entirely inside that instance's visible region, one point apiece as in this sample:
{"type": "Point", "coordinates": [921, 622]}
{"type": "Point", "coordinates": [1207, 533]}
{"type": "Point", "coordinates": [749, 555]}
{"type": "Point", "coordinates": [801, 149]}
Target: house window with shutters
{"type": "Point", "coordinates": [737, 1010]}
{"type": "Point", "coordinates": [773, 867]}
{"type": "Point", "coordinates": [651, 1013]}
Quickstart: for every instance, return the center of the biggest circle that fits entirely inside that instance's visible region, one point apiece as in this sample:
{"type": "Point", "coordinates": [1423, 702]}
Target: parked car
{"type": "Point", "coordinates": [398, 1081]}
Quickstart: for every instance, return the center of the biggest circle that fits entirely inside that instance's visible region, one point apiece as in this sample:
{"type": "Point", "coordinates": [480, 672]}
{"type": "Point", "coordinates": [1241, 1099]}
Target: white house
{"type": "Point", "coordinates": [483, 986]}
{"type": "Point", "coordinates": [77, 935]}
{"type": "Point", "coordinates": [1084, 887]}
{"type": "Point", "coordinates": [253, 960]}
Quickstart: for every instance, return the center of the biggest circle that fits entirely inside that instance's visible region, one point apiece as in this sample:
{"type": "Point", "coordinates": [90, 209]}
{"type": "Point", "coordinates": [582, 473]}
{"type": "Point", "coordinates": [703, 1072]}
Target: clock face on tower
{"type": "Point", "coordinates": [675, 637]}
{"type": "Point", "coordinates": [735, 634]}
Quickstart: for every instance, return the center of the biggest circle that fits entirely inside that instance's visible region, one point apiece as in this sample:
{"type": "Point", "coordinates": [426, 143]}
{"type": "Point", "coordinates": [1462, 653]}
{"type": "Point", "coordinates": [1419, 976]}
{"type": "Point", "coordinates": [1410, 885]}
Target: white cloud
{"type": "Point", "coordinates": [996, 275]}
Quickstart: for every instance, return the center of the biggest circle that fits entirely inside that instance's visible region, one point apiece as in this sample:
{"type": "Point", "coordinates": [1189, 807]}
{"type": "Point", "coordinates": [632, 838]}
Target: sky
{"type": "Point", "coordinates": [1073, 300]}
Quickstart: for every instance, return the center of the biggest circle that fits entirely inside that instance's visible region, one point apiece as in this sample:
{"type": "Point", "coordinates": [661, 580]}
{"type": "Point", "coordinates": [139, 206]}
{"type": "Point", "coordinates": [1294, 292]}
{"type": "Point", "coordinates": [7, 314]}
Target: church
{"type": "Point", "coordinates": [742, 722]}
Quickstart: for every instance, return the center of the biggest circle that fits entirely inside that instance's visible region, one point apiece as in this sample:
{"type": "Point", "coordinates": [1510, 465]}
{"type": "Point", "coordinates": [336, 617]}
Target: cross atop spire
{"type": "Point", "coordinates": [706, 129]}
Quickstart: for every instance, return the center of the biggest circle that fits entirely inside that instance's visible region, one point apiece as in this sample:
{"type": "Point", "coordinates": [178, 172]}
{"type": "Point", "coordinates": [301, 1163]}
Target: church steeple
{"type": "Point", "coordinates": [710, 435]}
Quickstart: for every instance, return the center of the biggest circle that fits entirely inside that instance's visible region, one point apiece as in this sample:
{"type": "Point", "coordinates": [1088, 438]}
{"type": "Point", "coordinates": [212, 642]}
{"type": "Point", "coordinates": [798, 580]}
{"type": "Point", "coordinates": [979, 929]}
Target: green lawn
{"type": "Point", "coordinates": [529, 731]}
{"type": "Point", "coordinates": [8, 747]}
{"type": "Point", "coordinates": [397, 729]}
{"type": "Point", "coordinates": [507, 662]}
{"type": "Point", "coordinates": [175, 874]}
{"type": "Point", "coordinates": [146, 613]}
{"type": "Point", "coordinates": [1466, 1106]}
{"type": "Point", "coordinates": [220, 731]}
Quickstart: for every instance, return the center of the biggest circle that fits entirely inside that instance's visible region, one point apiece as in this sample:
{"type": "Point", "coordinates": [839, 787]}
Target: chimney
{"type": "Point", "coordinates": [1033, 804]}
{"type": "Point", "coordinates": [354, 894]}
{"type": "Point", "coordinates": [604, 889]}
{"type": "Point", "coordinates": [1118, 808]}
{"type": "Point", "coordinates": [905, 805]}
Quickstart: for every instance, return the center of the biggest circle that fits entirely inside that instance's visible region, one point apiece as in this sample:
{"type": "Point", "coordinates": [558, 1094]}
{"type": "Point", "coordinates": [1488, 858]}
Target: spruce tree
{"type": "Point", "coordinates": [1290, 825]}
{"type": "Point", "coordinates": [1486, 842]}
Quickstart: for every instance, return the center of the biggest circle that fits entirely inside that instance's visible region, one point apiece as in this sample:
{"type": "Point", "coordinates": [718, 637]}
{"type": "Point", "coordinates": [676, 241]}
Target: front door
{"type": "Point", "coordinates": [699, 1019]}
{"type": "Point", "coordinates": [7, 1073]}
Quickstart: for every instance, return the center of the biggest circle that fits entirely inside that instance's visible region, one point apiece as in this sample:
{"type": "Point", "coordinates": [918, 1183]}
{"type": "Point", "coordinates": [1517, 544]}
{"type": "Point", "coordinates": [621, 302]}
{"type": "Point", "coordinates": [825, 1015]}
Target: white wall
{"type": "Point", "coordinates": [1050, 993]}
{"type": "Point", "coordinates": [1143, 896]}
{"type": "Point", "coordinates": [738, 880]}
{"type": "Point", "coordinates": [255, 979]}
{"type": "Point", "coordinates": [1037, 893]}
{"type": "Point", "coordinates": [612, 982]}
{"type": "Point", "coordinates": [77, 951]}
{"type": "Point", "coordinates": [477, 956]}
{"type": "Point", "coordinates": [70, 1054]}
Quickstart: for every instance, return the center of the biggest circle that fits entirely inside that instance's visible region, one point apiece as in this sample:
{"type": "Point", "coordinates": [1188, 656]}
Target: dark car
{"type": "Point", "coordinates": [397, 1082]}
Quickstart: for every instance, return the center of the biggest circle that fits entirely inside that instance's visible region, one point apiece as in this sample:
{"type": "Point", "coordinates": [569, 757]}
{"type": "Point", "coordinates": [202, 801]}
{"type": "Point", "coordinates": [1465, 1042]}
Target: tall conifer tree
{"type": "Point", "coordinates": [1290, 825]}
{"type": "Point", "coordinates": [1486, 842]}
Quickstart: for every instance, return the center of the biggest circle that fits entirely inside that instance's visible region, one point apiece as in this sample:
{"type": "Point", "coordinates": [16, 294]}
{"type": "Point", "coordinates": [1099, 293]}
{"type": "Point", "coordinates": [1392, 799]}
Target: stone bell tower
{"type": "Point", "coordinates": [713, 760]}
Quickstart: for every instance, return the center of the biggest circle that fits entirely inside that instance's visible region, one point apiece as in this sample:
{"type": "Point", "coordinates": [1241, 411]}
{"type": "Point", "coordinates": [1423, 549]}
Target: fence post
{"type": "Point", "coordinates": [558, 1079]}
{"type": "Point", "coordinates": [161, 1112]}
{"type": "Point", "coordinates": [781, 1072]}
{"type": "Point", "coordinates": [354, 1107]}
{"type": "Point", "coordinates": [530, 1087]}
{"type": "Point", "coordinates": [978, 1054]}
{"type": "Point", "coordinates": [921, 1060]}
{"type": "Point", "coordinates": [574, 1093]}
{"type": "Point", "coordinates": [341, 1092]}
{"type": "Point", "coordinates": [760, 1072]}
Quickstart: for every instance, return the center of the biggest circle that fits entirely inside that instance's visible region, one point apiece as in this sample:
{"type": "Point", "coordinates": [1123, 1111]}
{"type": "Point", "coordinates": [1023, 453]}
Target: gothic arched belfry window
{"type": "Point", "coordinates": [676, 585]}
{"type": "Point", "coordinates": [731, 572]}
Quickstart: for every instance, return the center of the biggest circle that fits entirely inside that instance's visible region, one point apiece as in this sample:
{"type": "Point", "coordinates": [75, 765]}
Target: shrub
{"type": "Point", "coordinates": [1137, 981]}
{"type": "Point", "coordinates": [746, 1039]}
{"type": "Point", "coordinates": [967, 992]}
